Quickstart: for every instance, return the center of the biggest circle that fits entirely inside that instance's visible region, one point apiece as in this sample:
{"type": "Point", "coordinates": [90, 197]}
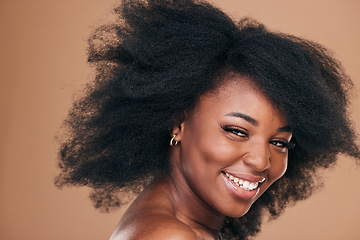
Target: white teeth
{"type": "Point", "coordinates": [253, 185]}
{"type": "Point", "coordinates": [248, 186]}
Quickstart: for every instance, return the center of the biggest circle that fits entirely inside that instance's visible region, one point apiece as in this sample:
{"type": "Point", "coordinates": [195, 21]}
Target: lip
{"type": "Point", "coordinates": [239, 192]}
{"type": "Point", "coordinates": [248, 177]}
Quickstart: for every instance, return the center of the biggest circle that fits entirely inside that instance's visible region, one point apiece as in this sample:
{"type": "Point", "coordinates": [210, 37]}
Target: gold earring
{"type": "Point", "coordinates": [173, 142]}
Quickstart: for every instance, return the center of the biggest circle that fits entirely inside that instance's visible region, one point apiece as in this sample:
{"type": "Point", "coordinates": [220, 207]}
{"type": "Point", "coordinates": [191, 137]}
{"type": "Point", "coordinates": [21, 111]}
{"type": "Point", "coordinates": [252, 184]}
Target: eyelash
{"type": "Point", "coordinates": [284, 144]}
{"type": "Point", "coordinates": [236, 131]}
{"type": "Point", "coordinates": [242, 133]}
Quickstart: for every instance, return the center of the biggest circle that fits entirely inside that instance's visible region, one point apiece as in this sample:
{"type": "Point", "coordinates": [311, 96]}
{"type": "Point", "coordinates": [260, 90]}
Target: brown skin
{"type": "Point", "coordinates": [234, 129]}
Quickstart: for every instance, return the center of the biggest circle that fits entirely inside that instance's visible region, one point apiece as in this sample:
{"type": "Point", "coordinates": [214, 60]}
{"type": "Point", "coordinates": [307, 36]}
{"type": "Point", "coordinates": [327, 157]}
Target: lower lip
{"type": "Point", "coordinates": [240, 192]}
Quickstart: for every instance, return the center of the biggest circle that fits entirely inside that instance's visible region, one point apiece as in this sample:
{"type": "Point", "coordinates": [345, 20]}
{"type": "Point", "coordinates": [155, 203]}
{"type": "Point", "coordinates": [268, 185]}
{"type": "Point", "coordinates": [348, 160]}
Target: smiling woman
{"type": "Point", "coordinates": [233, 148]}
{"type": "Point", "coordinates": [211, 122]}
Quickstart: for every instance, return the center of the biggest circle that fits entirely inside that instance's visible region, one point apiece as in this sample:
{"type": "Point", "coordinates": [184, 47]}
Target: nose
{"type": "Point", "coordinates": [258, 156]}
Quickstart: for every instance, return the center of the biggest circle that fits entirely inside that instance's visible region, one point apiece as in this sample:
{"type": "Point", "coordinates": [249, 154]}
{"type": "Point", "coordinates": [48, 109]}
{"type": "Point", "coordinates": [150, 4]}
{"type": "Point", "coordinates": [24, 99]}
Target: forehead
{"type": "Point", "coordinates": [240, 94]}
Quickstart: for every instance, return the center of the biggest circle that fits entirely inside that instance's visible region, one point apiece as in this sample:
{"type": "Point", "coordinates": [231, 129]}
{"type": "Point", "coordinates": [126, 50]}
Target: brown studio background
{"type": "Point", "coordinates": [43, 63]}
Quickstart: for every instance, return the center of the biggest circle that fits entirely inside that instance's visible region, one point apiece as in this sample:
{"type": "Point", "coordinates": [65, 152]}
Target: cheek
{"type": "Point", "coordinates": [214, 152]}
{"type": "Point", "coordinates": [205, 155]}
{"type": "Point", "coordinates": [278, 168]}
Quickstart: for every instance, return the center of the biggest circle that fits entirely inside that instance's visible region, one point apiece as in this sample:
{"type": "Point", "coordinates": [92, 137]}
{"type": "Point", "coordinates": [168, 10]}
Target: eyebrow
{"type": "Point", "coordinates": [247, 118]}
{"type": "Point", "coordinates": [285, 129]}
{"type": "Point", "coordinates": [253, 121]}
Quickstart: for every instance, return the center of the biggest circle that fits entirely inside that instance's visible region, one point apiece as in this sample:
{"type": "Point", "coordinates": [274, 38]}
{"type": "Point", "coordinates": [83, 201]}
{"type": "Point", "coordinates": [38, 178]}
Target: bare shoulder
{"type": "Point", "coordinates": [154, 226]}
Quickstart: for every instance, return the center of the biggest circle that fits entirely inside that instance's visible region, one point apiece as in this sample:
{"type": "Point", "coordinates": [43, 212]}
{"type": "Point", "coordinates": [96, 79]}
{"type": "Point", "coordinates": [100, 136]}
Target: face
{"type": "Point", "coordinates": [233, 146]}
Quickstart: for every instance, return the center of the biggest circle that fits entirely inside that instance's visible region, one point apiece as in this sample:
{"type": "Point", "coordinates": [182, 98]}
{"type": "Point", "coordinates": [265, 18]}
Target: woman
{"type": "Point", "coordinates": [213, 123]}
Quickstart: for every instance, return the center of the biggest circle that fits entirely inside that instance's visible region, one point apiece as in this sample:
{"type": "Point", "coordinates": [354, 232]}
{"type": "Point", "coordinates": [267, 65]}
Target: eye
{"type": "Point", "coordinates": [236, 131]}
{"type": "Point", "coordinates": [283, 144]}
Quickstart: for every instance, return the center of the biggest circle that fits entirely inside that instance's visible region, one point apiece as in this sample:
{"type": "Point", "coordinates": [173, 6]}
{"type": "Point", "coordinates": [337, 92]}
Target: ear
{"type": "Point", "coordinates": [178, 129]}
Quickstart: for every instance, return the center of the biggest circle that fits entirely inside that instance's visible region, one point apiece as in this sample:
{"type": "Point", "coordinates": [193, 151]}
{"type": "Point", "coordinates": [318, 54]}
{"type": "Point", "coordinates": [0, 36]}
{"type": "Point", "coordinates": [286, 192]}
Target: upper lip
{"type": "Point", "coordinates": [248, 177]}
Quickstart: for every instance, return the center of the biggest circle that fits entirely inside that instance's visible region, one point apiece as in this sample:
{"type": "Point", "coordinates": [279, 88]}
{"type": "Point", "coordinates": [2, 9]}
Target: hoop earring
{"type": "Point", "coordinates": [173, 142]}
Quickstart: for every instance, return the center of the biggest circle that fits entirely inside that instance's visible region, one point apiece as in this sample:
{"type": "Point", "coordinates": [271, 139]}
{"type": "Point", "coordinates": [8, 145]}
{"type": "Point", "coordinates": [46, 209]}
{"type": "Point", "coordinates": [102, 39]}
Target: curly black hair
{"type": "Point", "coordinates": [154, 62]}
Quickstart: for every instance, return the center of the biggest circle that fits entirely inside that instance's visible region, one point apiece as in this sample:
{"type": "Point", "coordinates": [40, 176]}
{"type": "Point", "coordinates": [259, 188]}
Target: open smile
{"type": "Point", "coordinates": [243, 183]}
{"type": "Point", "coordinates": [244, 187]}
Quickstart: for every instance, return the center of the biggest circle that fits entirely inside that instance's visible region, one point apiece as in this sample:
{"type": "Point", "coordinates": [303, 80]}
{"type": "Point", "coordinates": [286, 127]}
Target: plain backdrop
{"type": "Point", "coordinates": [43, 63]}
